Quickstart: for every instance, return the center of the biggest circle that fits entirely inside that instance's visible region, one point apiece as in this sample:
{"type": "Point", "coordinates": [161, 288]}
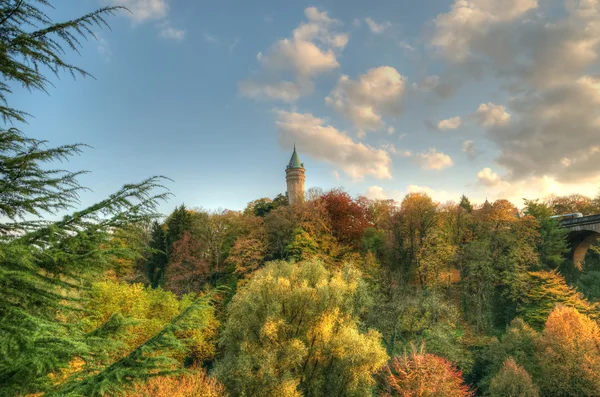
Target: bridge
{"type": "Point", "coordinates": [583, 232]}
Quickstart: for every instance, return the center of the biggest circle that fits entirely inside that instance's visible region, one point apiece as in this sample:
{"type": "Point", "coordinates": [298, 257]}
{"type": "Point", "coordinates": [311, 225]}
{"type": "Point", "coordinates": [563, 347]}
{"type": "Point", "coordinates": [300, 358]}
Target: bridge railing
{"type": "Point", "coordinates": [584, 220]}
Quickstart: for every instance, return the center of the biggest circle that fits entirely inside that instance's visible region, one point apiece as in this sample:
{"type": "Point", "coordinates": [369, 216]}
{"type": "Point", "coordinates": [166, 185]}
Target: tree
{"type": "Point", "coordinates": [196, 383]}
{"type": "Point", "coordinates": [292, 331]}
{"type": "Point", "coordinates": [465, 204]}
{"type": "Point", "coordinates": [411, 224]}
{"type": "Point", "coordinates": [552, 241]}
{"type": "Point", "coordinates": [188, 268]}
{"type": "Point", "coordinates": [513, 381]}
{"type": "Point", "coordinates": [48, 267]}
{"type": "Point", "coordinates": [421, 374]}
{"type": "Point", "coordinates": [544, 291]}
{"type": "Point", "coordinates": [177, 223]}
{"type": "Point", "coordinates": [157, 262]}
{"type": "Point", "coordinates": [519, 344]}
{"type": "Point", "coordinates": [348, 218]}
{"type": "Point", "coordinates": [569, 354]}
{"type": "Point", "coordinates": [478, 280]}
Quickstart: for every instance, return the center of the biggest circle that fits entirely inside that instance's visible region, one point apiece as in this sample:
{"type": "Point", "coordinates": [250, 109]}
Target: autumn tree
{"type": "Point", "coordinates": [292, 331]}
{"type": "Point", "coordinates": [348, 218]}
{"type": "Point", "coordinates": [420, 374]}
{"type": "Point", "coordinates": [569, 354]}
{"type": "Point", "coordinates": [279, 228]}
{"type": "Point", "coordinates": [513, 381]}
{"type": "Point", "coordinates": [411, 225]}
{"type": "Point", "coordinates": [188, 268]}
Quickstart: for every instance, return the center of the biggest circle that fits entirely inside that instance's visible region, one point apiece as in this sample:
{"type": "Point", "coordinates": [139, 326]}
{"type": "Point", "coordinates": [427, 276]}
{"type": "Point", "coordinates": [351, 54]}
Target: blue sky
{"type": "Point", "coordinates": [447, 97]}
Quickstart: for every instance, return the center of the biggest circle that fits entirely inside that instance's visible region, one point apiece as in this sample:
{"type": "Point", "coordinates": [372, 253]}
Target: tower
{"type": "Point", "coordinates": [294, 176]}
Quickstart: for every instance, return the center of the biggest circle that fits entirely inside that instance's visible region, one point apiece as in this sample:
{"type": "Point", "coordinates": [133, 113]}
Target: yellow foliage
{"type": "Point", "coordinates": [151, 309]}
{"type": "Point", "coordinates": [196, 384]}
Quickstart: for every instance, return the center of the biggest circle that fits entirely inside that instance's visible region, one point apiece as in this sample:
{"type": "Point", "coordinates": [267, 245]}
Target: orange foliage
{"type": "Point", "coordinates": [188, 268]}
{"type": "Point", "coordinates": [196, 384]}
{"type": "Point", "coordinates": [421, 375]}
{"type": "Point", "coordinates": [348, 217]}
{"type": "Point", "coordinates": [569, 352]}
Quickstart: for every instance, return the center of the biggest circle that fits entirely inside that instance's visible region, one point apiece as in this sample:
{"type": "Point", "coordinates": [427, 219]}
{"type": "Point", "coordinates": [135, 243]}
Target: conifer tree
{"type": "Point", "coordinates": [46, 267]}
{"type": "Point", "coordinates": [177, 223]}
{"type": "Point", "coordinates": [157, 262]}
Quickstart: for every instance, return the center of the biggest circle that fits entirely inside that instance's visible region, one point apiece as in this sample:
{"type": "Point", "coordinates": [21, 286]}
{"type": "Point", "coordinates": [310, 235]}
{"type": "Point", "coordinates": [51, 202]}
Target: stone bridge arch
{"type": "Point", "coordinates": [579, 242]}
{"type": "Point", "coordinates": [583, 232]}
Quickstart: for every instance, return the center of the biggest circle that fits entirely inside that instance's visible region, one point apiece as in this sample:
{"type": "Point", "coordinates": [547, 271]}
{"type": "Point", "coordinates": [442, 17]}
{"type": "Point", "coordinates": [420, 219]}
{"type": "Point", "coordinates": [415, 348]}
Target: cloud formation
{"type": "Point", "coordinates": [167, 31]}
{"type": "Point", "coordinates": [489, 115]}
{"type": "Point", "coordinates": [377, 28]}
{"type": "Point", "coordinates": [450, 124]}
{"type": "Point", "coordinates": [150, 10]}
{"type": "Point", "coordinates": [312, 50]}
{"type": "Point", "coordinates": [541, 54]}
{"type": "Point", "coordinates": [433, 160]}
{"type": "Point", "coordinates": [364, 101]}
{"type": "Point", "coordinates": [324, 142]}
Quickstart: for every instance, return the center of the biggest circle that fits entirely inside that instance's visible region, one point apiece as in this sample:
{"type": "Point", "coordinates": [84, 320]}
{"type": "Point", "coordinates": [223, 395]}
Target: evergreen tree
{"type": "Point", "coordinates": [177, 223]}
{"type": "Point", "coordinates": [465, 204]}
{"type": "Point", "coordinates": [46, 268]}
{"type": "Point", "coordinates": [157, 262]}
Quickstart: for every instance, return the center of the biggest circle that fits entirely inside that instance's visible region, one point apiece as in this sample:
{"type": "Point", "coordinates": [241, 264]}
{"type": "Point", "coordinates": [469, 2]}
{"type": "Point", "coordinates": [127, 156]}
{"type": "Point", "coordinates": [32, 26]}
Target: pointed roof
{"type": "Point", "coordinates": [295, 160]}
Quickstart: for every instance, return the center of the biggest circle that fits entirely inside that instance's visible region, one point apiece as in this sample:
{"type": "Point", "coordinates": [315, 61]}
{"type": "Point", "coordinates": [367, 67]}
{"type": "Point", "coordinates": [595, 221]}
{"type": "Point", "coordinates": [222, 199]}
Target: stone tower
{"type": "Point", "coordinates": [294, 176]}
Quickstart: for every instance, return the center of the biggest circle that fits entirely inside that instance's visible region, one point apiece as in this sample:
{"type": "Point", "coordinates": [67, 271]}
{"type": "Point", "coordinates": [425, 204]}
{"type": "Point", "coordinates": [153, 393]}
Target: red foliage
{"type": "Point", "coordinates": [421, 374]}
{"type": "Point", "coordinates": [349, 218]}
{"type": "Point", "coordinates": [188, 267]}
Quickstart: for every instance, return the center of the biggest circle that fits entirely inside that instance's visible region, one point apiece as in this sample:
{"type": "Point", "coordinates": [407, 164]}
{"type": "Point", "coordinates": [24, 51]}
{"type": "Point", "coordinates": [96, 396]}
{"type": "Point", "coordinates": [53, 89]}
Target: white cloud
{"type": "Point", "coordinates": [488, 177]}
{"type": "Point", "coordinates": [324, 142]}
{"type": "Point", "coordinates": [285, 91]}
{"type": "Point", "coordinates": [312, 50]}
{"type": "Point", "coordinates": [441, 196]}
{"type": "Point", "coordinates": [433, 160]}
{"type": "Point", "coordinates": [376, 27]}
{"type": "Point", "coordinates": [537, 188]}
{"type": "Point", "coordinates": [450, 124]}
{"type": "Point", "coordinates": [379, 193]}
{"type": "Point", "coordinates": [469, 149]}
{"type": "Point", "coordinates": [364, 101]}
{"type": "Point", "coordinates": [143, 10]}
{"type": "Point", "coordinates": [150, 10]}
{"type": "Point", "coordinates": [490, 114]}
{"type": "Point", "coordinates": [457, 33]}
{"type": "Point", "coordinates": [375, 193]}
{"type": "Point", "coordinates": [169, 32]}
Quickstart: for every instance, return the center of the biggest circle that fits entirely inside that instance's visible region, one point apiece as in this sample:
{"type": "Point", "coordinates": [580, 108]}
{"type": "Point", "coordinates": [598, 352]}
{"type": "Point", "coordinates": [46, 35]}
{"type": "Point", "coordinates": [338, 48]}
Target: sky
{"type": "Point", "coordinates": [491, 99]}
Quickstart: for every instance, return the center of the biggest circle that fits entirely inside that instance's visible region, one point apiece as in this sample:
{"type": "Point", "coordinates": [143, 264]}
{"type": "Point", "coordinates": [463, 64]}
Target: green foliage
{"type": "Point", "coordinates": [157, 262]}
{"type": "Point", "coordinates": [547, 289]}
{"type": "Point", "coordinates": [513, 381]}
{"type": "Point", "coordinates": [519, 343]}
{"type": "Point", "coordinates": [31, 42]}
{"type": "Point", "coordinates": [177, 223]}
{"type": "Point", "coordinates": [151, 310]}
{"type": "Point", "coordinates": [465, 204]}
{"type": "Point", "coordinates": [589, 285]}
{"type": "Point", "coordinates": [292, 331]}
{"type": "Point", "coordinates": [552, 241]}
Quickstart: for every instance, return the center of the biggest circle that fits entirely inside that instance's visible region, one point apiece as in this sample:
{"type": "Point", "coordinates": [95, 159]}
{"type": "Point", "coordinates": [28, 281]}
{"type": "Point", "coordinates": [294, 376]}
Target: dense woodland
{"type": "Point", "coordinates": [338, 296]}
